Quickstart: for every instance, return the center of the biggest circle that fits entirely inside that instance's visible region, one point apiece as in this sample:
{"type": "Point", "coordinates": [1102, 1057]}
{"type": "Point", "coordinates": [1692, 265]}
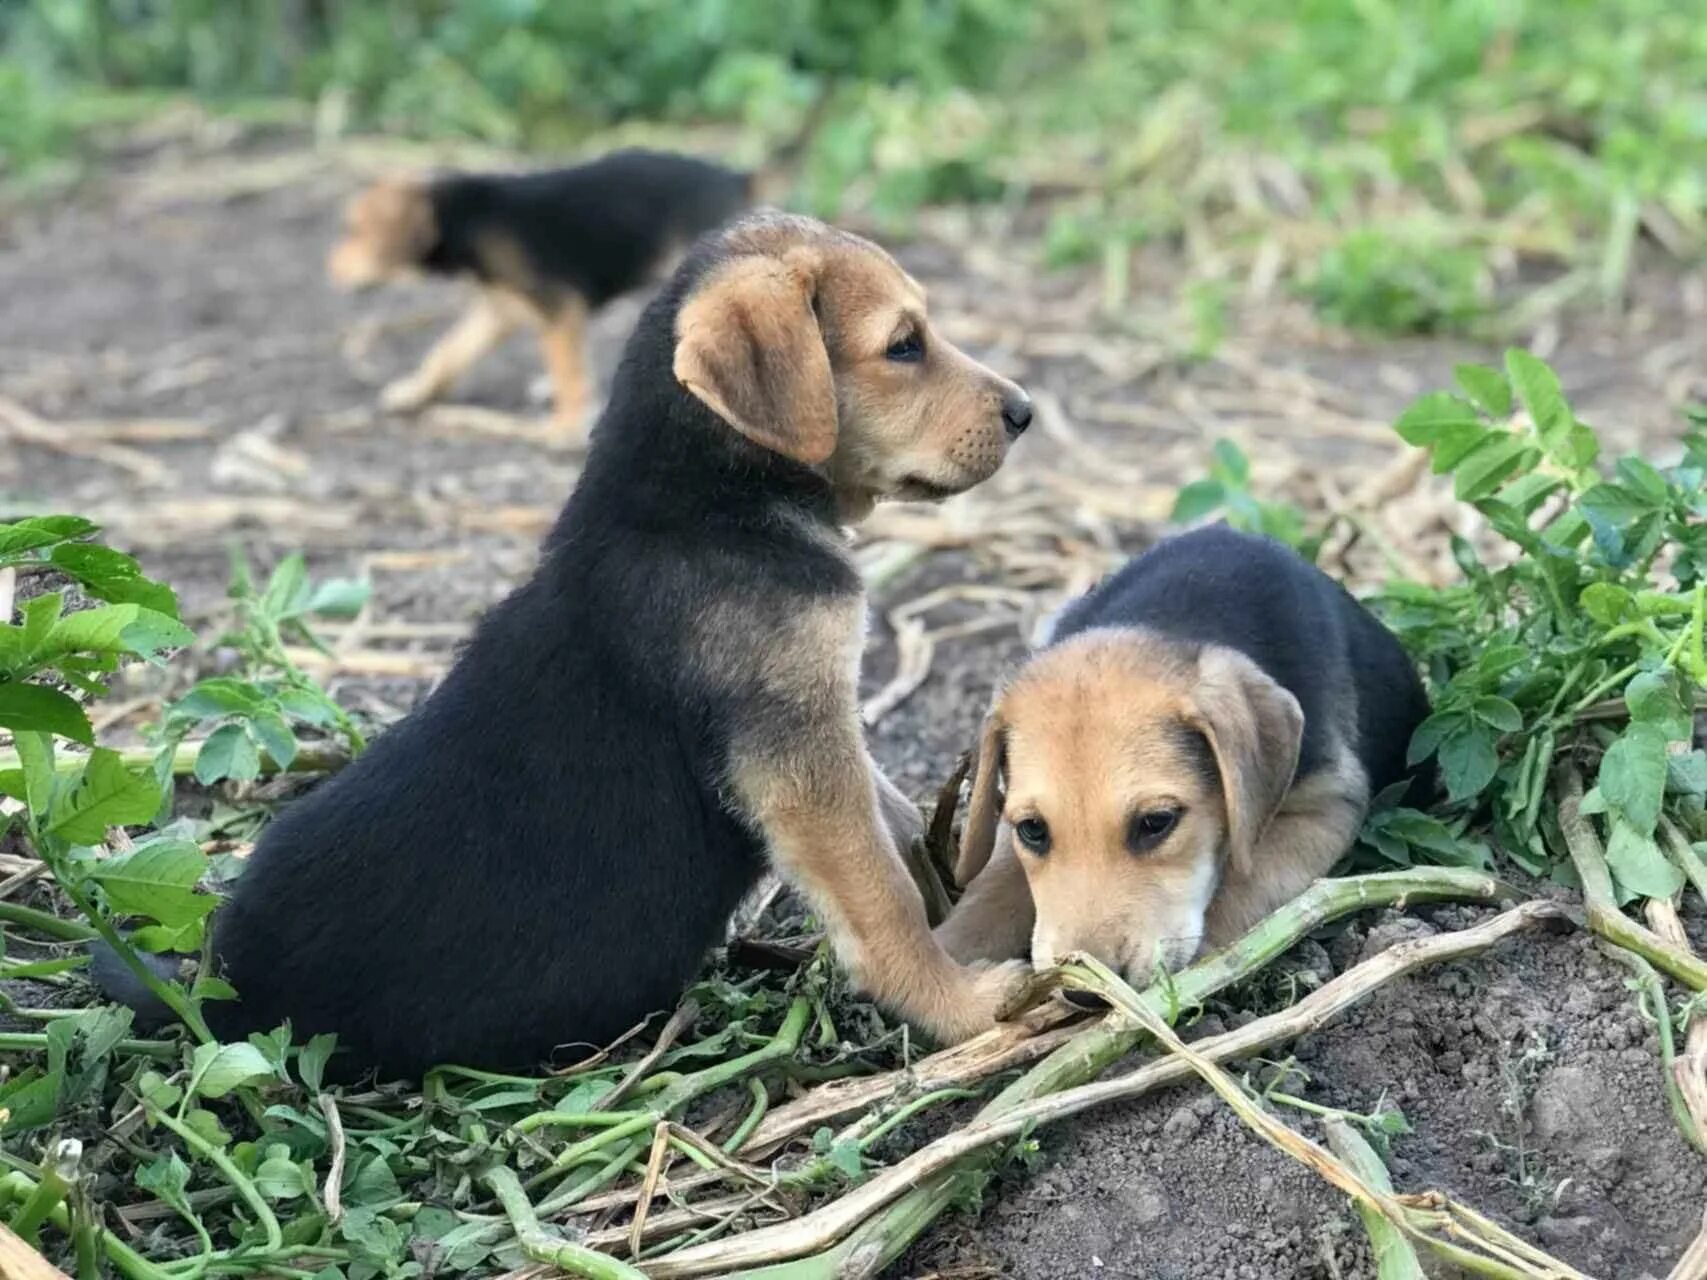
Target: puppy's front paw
{"type": "Point", "coordinates": [981, 996]}
{"type": "Point", "coordinates": [405, 395]}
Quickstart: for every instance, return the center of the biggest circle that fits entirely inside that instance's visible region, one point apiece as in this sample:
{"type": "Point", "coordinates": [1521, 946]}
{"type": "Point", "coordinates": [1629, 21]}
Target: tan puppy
{"type": "Point", "coordinates": [1198, 744]}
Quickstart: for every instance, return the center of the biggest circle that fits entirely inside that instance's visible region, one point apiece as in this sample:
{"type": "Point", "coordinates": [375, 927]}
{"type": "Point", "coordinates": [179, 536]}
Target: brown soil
{"type": "Point", "coordinates": [187, 286]}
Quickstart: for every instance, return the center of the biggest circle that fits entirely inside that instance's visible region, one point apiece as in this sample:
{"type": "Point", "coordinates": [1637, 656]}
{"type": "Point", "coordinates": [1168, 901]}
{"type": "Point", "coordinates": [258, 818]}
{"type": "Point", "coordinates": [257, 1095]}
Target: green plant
{"type": "Point", "coordinates": [1227, 491]}
{"type": "Point", "coordinates": [1380, 280]}
{"type": "Point", "coordinates": [253, 712]}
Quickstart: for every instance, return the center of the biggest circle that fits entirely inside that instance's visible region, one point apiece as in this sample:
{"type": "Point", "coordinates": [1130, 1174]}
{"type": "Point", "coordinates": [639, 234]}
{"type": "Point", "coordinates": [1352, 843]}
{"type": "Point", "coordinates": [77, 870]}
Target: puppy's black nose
{"type": "Point", "coordinates": [1085, 1000]}
{"type": "Point", "coordinates": [1016, 413]}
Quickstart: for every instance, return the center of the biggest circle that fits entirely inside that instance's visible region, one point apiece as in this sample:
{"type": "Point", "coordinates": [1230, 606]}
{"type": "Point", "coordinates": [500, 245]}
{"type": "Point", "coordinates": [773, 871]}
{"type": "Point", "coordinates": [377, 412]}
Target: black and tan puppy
{"type": "Point", "coordinates": [1198, 741]}
{"type": "Point", "coordinates": [541, 853]}
{"type": "Point", "coordinates": [547, 250]}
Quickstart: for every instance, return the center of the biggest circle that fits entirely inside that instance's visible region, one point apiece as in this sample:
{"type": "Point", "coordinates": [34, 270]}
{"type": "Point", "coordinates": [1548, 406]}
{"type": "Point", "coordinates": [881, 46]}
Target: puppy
{"type": "Point", "coordinates": [546, 249]}
{"type": "Point", "coordinates": [541, 854]}
{"type": "Point", "coordinates": [1196, 744]}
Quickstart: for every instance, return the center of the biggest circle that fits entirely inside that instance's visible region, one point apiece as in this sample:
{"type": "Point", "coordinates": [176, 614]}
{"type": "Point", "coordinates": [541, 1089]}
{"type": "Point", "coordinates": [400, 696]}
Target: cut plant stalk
{"type": "Point", "coordinates": [312, 758]}
{"type": "Point", "coordinates": [540, 1245]}
{"type": "Point", "coordinates": [58, 1176]}
{"type": "Point", "coordinates": [925, 1183]}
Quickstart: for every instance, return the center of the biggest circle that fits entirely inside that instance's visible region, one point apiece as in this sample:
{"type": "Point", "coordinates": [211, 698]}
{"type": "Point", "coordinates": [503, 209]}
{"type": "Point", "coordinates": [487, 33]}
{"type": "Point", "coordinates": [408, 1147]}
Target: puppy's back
{"type": "Point", "coordinates": [1254, 595]}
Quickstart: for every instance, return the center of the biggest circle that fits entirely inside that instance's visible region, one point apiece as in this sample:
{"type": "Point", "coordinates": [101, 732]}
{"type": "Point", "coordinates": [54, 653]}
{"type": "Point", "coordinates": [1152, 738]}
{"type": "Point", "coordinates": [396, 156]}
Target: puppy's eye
{"type": "Point", "coordinates": [1151, 827]}
{"type": "Point", "coordinates": [907, 349]}
{"type": "Point", "coordinates": [1033, 833]}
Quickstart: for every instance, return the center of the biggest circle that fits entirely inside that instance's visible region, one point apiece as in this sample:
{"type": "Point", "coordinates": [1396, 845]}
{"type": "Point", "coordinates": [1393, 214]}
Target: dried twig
{"type": "Point", "coordinates": [333, 1193]}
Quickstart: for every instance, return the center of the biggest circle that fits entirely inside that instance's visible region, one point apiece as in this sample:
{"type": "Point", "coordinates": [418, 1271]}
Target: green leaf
{"type": "Point", "coordinates": [168, 1178]}
{"type": "Point", "coordinates": [1427, 738]}
{"type": "Point", "coordinates": [1197, 500]}
{"type": "Point", "coordinates": [1686, 774]}
{"type": "Point", "coordinates": [228, 753]}
{"type": "Point", "coordinates": [1486, 387]}
{"type": "Point", "coordinates": [1229, 465]}
{"type": "Point", "coordinates": [156, 1090]}
{"type": "Point", "coordinates": [41, 531]}
{"type": "Point", "coordinates": [217, 1069]}
{"type": "Point", "coordinates": [1593, 802]}
{"type": "Point", "coordinates": [1486, 469]}
{"type": "Point", "coordinates": [1644, 480]}
{"type": "Point", "coordinates": [270, 730]}
{"type": "Point", "coordinates": [40, 617]}
{"type": "Point", "coordinates": [312, 1058]}
{"type": "Point", "coordinates": [339, 598]}
{"type": "Point", "coordinates": [1607, 603]}
{"type": "Point", "coordinates": [279, 1177]}
{"type": "Point", "coordinates": [1615, 505]}
{"type": "Point", "coordinates": [153, 632]}
{"type": "Point", "coordinates": [97, 630]}
{"type": "Point", "coordinates": [1468, 762]}
{"type": "Point", "coordinates": [114, 577]}
{"type": "Point", "coordinates": [1499, 713]}
{"type": "Point", "coordinates": [1437, 416]}
{"type": "Point", "coordinates": [309, 707]}
{"type": "Point", "coordinates": [1654, 699]}
{"type": "Point", "coordinates": [105, 794]}
{"type": "Point", "coordinates": [158, 880]}
{"type": "Point", "coordinates": [1633, 776]}
{"type": "Point", "coordinates": [206, 1126]}
{"type": "Point", "coordinates": [34, 708]}
{"type": "Point", "coordinates": [287, 590]}
{"type": "Point", "coordinates": [845, 1156]}
{"type": "Point", "coordinates": [1538, 387]}
{"type": "Point", "coordinates": [35, 756]}
{"type": "Point", "coordinates": [210, 988]}
{"type": "Point", "coordinates": [1637, 863]}
{"type": "Point", "coordinates": [219, 696]}
{"type": "Point", "coordinates": [374, 1186]}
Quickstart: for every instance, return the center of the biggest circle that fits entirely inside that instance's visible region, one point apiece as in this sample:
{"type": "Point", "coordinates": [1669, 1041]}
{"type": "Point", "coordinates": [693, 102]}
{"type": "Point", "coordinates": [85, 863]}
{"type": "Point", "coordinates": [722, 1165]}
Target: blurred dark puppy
{"type": "Point", "coordinates": [1198, 742]}
{"type": "Point", "coordinates": [542, 853]}
{"type": "Point", "coordinates": [546, 249]}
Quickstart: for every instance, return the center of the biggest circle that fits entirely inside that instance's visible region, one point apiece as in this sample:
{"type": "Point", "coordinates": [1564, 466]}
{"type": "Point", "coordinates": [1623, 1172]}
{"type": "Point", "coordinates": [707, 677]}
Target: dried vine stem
{"type": "Point", "coordinates": [908, 1196]}
{"type": "Point", "coordinates": [1479, 1247]}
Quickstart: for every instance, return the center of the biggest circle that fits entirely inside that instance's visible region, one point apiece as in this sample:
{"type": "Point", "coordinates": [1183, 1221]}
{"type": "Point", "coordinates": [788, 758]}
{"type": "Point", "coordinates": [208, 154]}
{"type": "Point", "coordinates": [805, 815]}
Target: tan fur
{"type": "Point", "coordinates": [563, 346]}
{"type": "Point", "coordinates": [785, 341]}
{"type": "Point", "coordinates": [386, 230]}
{"type": "Point", "coordinates": [1098, 729]}
{"type": "Point", "coordinates": [826, 306]}
{"type": "Point", "coordinates": [492, 317]}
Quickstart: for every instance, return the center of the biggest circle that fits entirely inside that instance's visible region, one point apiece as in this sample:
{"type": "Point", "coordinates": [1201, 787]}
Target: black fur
{"type": "Point", "coordinates": [1252, 594]}
{"type": "Point", "coordinates": [538, 855]}
{"type": "Point", "coordinates": [598, 230]}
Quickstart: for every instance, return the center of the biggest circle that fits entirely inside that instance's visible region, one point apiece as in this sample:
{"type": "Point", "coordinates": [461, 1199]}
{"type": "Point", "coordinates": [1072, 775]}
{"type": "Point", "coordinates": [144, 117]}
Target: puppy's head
{"type": "Point", "coordinates": [1132, 770]}
{"type": "Point", "coordinates": [388, 229]}
{"type": "Point", "coordinates": [815, 344]}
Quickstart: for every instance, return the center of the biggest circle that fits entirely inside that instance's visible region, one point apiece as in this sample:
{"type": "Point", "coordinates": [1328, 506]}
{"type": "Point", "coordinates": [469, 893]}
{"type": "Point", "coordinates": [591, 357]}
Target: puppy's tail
{"type": "Point", "coordinates": [119, 983]}
{"type": "Point", "coordinates": [772, 181]}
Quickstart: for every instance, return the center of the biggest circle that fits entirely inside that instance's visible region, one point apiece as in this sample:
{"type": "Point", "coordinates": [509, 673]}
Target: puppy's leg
{"type": "Point", "coordinates": [994, 917]}
{"type": "Point", "coordinates": [818, 805]}
{"type": "Point", "coordinates": [1315, 826]}
{"type": "Point", "coordinates": [562, 344]}
{"type": "Point", "coordinates": [482, 327]}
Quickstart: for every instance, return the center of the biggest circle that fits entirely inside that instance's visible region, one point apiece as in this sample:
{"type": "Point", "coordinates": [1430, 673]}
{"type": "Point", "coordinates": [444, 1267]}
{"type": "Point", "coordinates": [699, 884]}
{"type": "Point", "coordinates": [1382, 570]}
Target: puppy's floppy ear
{"type": "Point", "coordinates": [748, 345]}
{"type": "Point", "coordinates": [978, 836]}
{"type": "Point", "coordinates": [1255, 728]}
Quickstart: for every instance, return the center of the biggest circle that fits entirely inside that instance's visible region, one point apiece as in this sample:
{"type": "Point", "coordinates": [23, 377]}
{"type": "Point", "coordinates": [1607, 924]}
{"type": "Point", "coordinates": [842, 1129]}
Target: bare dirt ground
{"type": "Point", "coordinates": [206, 388]}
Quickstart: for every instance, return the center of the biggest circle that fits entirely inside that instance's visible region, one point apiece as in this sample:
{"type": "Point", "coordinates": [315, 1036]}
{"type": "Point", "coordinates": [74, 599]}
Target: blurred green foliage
{"type": "Point", "coordinates": [1322, 134]}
